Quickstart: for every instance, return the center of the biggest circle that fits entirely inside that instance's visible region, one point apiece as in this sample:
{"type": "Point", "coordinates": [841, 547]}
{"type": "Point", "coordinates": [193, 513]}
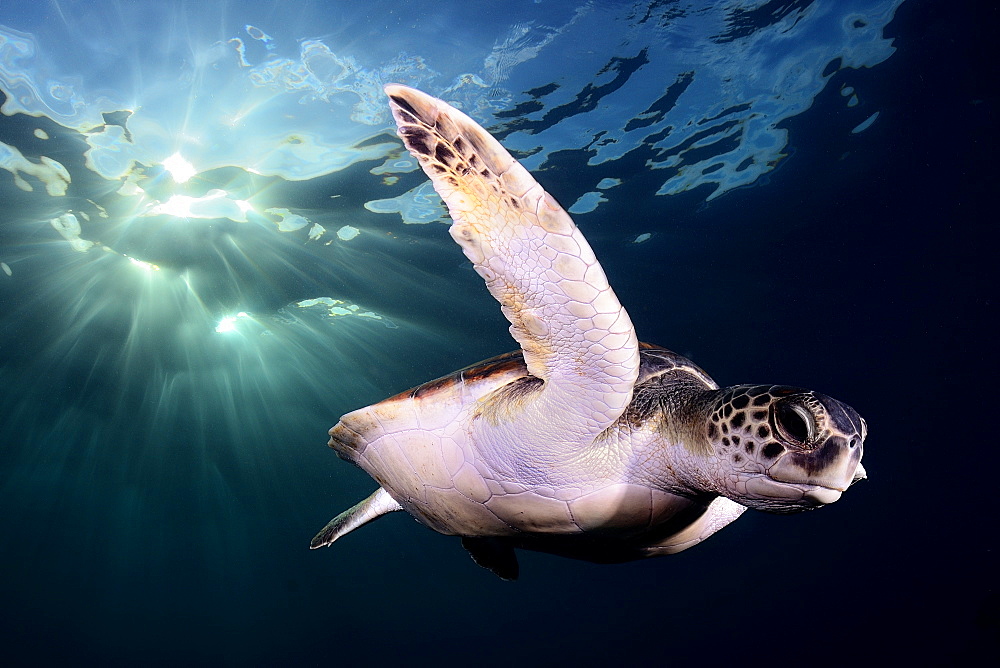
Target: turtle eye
{"type": "Point", "coordinates": [794, 423]}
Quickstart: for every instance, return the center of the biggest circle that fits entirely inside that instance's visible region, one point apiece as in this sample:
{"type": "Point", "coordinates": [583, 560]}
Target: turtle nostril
{"type": "Point", "coordinates": [855, 442]}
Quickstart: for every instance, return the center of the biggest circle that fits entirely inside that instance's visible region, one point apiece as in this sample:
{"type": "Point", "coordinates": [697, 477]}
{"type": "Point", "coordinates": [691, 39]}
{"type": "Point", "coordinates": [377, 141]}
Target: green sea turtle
{"type": "Point", "coordinates": [585, 442]}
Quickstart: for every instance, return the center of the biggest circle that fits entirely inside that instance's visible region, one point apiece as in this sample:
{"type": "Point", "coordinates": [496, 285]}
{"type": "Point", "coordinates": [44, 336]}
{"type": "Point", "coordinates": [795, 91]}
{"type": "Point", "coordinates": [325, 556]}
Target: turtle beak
{"type": "Point", "coordinates": [828, 462]}
{"type": "Point", "coordinates": [835, 465]}
{"type": "Point", "coordinates": [859, 474]}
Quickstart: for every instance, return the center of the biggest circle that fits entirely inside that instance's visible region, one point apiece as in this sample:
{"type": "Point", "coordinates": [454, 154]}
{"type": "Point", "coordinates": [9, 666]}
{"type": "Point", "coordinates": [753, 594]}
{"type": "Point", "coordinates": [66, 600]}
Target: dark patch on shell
{"type": "Point", "coordinates": [509, 363]}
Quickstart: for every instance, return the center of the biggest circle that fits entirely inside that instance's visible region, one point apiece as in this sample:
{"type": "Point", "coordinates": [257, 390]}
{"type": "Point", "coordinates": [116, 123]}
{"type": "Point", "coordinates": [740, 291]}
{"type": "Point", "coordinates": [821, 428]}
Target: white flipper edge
{"type": "Point", "coordinates": [720, 513]}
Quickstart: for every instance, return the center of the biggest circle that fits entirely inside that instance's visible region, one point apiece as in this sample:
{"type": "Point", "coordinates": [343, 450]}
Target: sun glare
{"type": "Point", "coordinates": [228, 323]}
{"type": "Point", "coordinates": [145, 266]}
{"type": "Point", "coordinates": [179, 168]}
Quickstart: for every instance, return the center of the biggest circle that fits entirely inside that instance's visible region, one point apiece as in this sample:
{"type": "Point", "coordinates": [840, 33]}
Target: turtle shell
{"type": "Point", "coordinates": [417, 446]}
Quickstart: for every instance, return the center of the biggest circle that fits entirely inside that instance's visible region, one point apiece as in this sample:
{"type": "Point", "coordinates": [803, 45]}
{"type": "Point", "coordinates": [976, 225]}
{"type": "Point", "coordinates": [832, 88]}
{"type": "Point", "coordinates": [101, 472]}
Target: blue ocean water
{"type": "Point", "coordinates": [213, 246]}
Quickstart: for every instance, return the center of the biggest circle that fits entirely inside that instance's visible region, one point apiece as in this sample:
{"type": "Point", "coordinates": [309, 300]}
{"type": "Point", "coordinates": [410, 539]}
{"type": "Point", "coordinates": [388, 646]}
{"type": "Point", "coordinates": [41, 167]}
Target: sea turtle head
{"type": "Point", "coordinates": [784, 449]}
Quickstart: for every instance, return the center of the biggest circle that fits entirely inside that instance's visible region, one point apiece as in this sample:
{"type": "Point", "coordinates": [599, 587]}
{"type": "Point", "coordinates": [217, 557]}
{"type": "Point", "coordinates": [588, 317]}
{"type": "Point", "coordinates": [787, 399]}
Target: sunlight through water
{"type": "Point", "coordinates": [210, 228]}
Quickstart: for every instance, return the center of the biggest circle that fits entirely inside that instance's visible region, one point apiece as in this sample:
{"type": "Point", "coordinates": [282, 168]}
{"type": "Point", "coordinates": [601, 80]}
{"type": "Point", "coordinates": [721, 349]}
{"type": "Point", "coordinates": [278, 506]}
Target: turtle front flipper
{"type": "Point", "coordinates": [373, 507]}
{"type": "Point", "coordinates": [720, 513]}
{"type": "Point", "coordinates": [575, 334]}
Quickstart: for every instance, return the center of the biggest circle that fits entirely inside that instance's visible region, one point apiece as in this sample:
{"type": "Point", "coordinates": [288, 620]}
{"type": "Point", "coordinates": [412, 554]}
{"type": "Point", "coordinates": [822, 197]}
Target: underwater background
{"type": "Point", "coordinates": [213, 245]}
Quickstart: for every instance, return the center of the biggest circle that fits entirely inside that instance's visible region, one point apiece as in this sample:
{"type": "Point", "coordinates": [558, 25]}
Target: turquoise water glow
{"type": "Point", "coordinates": [212, 245]}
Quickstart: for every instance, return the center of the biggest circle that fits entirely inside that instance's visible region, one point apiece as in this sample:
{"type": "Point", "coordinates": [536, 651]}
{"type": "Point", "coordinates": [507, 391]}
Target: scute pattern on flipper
{"type": "Point", "coordinates": [574, 332]}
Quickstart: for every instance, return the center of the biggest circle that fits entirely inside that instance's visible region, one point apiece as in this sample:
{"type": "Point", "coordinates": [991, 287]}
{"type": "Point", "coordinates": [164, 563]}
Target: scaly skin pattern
{"type": "Point", "coordinates": [575, 334]}
{"type": "Point", "coordinates": [422, 447]}
{"type": "Point", "coordinates": [584, 442]}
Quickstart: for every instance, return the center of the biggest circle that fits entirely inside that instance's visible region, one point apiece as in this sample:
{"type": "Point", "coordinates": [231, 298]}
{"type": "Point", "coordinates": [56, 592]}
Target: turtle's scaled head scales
{"type": "Point", "coordinates": [784, 449]}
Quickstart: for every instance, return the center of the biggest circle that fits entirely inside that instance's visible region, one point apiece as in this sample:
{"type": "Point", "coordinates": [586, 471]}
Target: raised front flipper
{"type": "Point", "coordinates": [373, 507]}
{"type": "Point", "coordinates": [575, 334]}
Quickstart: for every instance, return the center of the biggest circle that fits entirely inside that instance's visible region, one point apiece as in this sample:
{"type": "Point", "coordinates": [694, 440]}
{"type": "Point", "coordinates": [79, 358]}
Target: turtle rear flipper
{"type": "Point", "coordinates": [493, 554]}
{"type": "Point", "coordinates": [373, 507]}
